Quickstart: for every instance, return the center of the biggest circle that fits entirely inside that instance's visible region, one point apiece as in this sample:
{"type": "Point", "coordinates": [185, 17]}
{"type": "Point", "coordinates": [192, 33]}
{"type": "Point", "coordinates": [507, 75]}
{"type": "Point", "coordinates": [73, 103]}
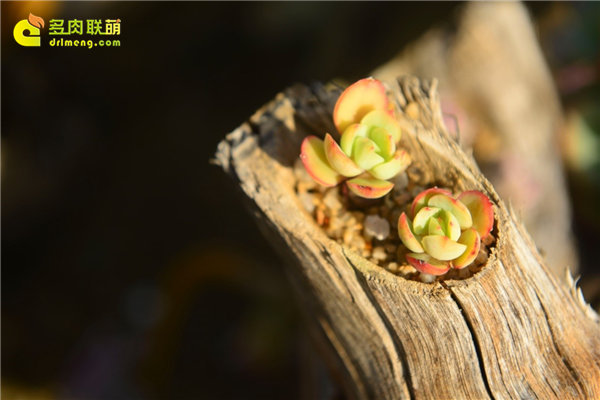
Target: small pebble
{"type": "Point", "coordinates": [390, 248]}
{"type": "Point", "coordinates": [393, 267]}
{"type": "Point", "coordinates": [347, 237]}
{"type": "Point", "coordinates": [334, 231]}
{"type": "Point", "coordinates": [400, 182]}
{"type": "Point", "coordinates": [332, 201]}
{"type": "Point", "coordinates": [358, 242]}
{"type": "Point", "coordinates": [406, 269]}
{"type": "Point", "coordinates": [482, 256]}
{"type": "Point", "coordinates": [379, 253]}
{"type": "Point", "coordinates": [345, 217]}
{"type": "Point", "coordinates": [334, 222]}
{"type": "Point", "coordinates": [308, 201]}
{"type": "Point", "coordinates": [358, 227]}
{"type": "Point", "coordinates": [320, 216]}
{"type": "Point", "coordinates": [377, 227]}
{"type": "Point", "coordinates": [426, 278]}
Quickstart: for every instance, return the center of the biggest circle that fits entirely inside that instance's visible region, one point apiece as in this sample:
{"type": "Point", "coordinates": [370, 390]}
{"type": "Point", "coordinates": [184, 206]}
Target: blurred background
{"type": "Point", "coordinates": [130, 269]}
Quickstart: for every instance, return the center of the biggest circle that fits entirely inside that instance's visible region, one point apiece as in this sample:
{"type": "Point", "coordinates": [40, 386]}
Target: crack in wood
{"type": "Point", "coordinates": [395, 338]}
{"type": "Point", "coordinates": [475, 341]}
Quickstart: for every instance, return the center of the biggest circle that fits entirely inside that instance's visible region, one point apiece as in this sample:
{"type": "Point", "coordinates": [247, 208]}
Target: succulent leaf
{"type": "Point", "coordinates": [421, 220]}
{"type": "Point", "coordinates": [434, 227]}
{"type": "Point", "coordinates": [358, 100]}
{"type": "Point", "coordinates": [369, 188]}
{"type": "Point", "coordinates": [480, 207]}
{"type": "Point", "coordinates": [450, 225]}
{"type": "Point", "coordinates": [443, 248]}
{"type": "Point", "coordinates": [382, 138]}
{"type": "Point", "coordinates": [349, 136]}
{"type": "Point", "coordinates": [426, 264]}
{"type": "Point", "coordinates": [392, 167]}
{"type": "Point", "coordinates": [338, 159]}
{"type": "Point", "coordinates": [383, 119]}
{"type": "Point", "coordinates": [405, 232]}
{"type": "Point", "coordinates": [421, 200]}
{"type": "Point", "coordinates": [365, 153]}
{"type": "Point", "coordinates": [471, 239]}
{"type": "Point", "coordinates": [313, 157]}
{"type": "Point", "coordinates": [458, 209]}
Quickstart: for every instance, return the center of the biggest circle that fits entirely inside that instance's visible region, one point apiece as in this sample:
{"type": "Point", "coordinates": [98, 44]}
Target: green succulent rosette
{"type": "Point", "coordinates": [444, 232]}
{"type": "Point", "coordinates": [367, 155]}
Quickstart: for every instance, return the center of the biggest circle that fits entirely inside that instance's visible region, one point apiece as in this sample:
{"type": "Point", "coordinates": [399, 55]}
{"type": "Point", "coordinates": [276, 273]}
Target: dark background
{"type": "Point", "coordinates": [129, 267]}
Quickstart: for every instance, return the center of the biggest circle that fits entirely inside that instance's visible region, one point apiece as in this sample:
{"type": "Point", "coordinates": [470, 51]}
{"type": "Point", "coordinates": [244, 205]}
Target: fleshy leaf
{"type": "Point", "coordinates": [313, 157]}
{"type": "Point", "coordinates": [369, 188]}
{"type": "Point", "coordinates": [421, 220]}
{"type": "Point", "coordinates": [383, 119]}
{"type": "Point", "coordinates": [481, 210]}
{"type": "Point", "coordinates": [471, 239]}
{"type": "Point", "coordinates": [338, 159]}
{"type": "Point", "coordinates": [450, 225]}
{"type": "Point", "coordinates": [458, 209]}
{"type": "Point", "coordinates": [421, 200]}
{"type": "Point", "coordinates": [349, 136]}
{"type": "Point", "coordinates": [434, 227]}
{"type": "Point", "coordinates": [393, 167]}
{"type": "Point", "coordinates": [365, 153]}
{"type": "Point", "coordinates": [426, 264]}
{"type": "Point", "coordinates": [358, 100]}
{"type": "Point", "coordinates": [406, 235]}
{"type": "Point", "coordinates": [384, 141]}
{"type": "Point", "coordinates": [442, 247]}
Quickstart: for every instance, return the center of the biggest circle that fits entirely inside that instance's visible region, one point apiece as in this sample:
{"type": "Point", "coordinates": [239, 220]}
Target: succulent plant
{"type": "Point", "coordinates": [367, 151]}
{"type": "Point", "coordinates": [445, 232]}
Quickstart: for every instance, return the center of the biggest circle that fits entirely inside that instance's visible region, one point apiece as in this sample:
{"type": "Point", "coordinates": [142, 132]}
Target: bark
{"type": "Point", "coordinates": [511, 331]}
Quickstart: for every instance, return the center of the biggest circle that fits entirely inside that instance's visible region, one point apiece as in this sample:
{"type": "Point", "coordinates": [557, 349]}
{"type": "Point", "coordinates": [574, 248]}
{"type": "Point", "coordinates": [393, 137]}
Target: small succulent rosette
{"type": "Point", "coordinates": [445, 232]}
{"type": "Point", "coordinates": [367, 151]}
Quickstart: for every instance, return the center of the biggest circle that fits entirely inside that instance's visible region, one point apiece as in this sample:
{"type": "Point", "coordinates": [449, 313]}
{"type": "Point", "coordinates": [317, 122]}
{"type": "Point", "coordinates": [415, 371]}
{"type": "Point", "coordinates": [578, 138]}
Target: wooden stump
{"type": "Point", "coordinates": [510, 331]}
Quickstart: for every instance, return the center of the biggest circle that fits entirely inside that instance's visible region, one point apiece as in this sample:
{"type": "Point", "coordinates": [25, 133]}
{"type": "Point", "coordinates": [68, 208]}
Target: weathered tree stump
{"type": "Point", "coordinates": [510, 331]}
